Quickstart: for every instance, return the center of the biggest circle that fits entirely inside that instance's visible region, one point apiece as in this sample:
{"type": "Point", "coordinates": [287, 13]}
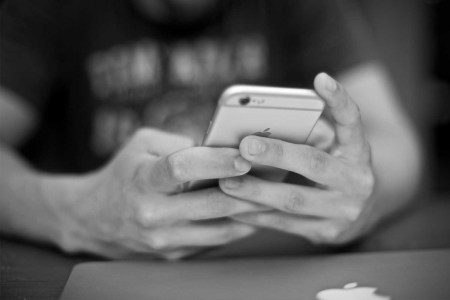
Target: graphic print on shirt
{"type": "Point", "coordinates": [172, 87]}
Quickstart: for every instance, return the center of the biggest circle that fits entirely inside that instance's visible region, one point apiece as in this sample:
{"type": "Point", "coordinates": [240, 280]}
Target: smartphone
{"type": "Point", "coordinates": [288, 114]}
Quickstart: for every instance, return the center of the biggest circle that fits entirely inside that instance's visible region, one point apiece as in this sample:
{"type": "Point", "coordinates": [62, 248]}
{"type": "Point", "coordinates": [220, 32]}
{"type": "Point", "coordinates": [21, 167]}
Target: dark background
{"type": "Point", "coordinates": [413, 37]}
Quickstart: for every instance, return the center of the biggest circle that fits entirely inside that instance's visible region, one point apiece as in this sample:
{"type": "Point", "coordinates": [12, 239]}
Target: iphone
{"type": "Point", "coordinates": [288, 114]}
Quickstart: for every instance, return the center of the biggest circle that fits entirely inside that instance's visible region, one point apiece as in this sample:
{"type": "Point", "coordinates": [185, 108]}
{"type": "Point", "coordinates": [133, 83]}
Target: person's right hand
{"type": "Point", "coordinates": [134, 204]}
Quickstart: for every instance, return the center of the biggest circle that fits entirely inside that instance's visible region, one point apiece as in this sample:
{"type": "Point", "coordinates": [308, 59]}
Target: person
{"type": "Point", "coordinates": [103, 103]}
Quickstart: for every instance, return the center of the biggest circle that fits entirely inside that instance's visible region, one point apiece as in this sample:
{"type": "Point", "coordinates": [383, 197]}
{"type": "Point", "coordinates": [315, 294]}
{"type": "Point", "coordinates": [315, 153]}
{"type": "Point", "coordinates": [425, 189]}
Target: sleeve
{"type": "Point", "coordinates": [326, 36]}
{"type": "Point", "coordinates": [28, 43]}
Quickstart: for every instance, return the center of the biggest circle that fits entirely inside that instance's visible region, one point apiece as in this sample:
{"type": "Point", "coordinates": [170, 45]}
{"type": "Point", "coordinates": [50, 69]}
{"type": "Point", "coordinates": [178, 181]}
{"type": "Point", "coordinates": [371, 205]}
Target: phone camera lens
{"type": "Point", "coordinates": [244, 100]}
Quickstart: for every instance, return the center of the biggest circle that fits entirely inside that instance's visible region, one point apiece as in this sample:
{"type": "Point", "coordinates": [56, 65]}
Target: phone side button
{"type": "Point", "coordinates": [209, 127]}
{"type": "Point", "coordinates": [207, 133]}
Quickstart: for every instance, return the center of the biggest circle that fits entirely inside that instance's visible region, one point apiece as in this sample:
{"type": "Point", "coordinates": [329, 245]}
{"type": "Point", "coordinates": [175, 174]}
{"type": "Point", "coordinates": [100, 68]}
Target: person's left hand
{"type": "Point", "coordinates": [329, 212]}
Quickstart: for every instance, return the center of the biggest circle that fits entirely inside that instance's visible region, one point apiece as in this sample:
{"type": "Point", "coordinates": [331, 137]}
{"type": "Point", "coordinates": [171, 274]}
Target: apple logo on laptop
{"type": "Point", "coordinates": [351, 291]}
{"type": "Point", "coordinates": [264, 133]}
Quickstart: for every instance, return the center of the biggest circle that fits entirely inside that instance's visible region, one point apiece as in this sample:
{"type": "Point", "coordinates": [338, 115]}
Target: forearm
{"type": "Point", "coordinates": [397, 165]}
{"type": "Point", "coordinates": [396, 150]}
{"type": "Point", "coordinates": [31, 202]}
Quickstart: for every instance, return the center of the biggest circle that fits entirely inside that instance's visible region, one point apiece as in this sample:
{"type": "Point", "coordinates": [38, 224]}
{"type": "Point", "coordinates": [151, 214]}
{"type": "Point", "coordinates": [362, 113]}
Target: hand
{"type": "Point", "coordinates": [329, 212]}
{"type": "Point", "coordinates": [133, 205]}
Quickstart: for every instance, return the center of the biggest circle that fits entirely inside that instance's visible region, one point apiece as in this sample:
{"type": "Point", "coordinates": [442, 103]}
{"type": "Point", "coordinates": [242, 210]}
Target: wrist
{"type": "Point", "coordinates": [63, 198]}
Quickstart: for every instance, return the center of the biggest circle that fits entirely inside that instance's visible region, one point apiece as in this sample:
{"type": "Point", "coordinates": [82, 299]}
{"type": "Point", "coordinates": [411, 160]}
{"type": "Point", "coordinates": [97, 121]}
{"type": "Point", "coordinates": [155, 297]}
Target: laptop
{"type": "Point", "coordinates": [407, 275]}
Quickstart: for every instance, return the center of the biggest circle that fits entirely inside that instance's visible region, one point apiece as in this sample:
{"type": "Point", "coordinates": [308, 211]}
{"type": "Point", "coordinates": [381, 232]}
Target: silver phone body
{"type": "Point", "coordinates": [288, 114]}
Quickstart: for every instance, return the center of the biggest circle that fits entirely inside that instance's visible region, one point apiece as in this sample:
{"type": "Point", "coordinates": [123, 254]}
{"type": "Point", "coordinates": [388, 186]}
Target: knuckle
{"type": "Point", "coordinates": [282, 224]}
{"type": "Point", "coordinates": [142, 133]}
{"type": "Point", "coordinates": [149, 216]}
{"type": "Point", "coordinates": [294, 203]}
{"type": "Point", "coordinates": [228, 235]}
{"type": "Point", "coordinates": [67, 245]}
{"type": "Point", "coordinates": [174, 255]}
{"type": "Point", "coordinates": [339, 88]}
{"type": "Point", "coordinates": [352, 214]}
{"type": "Point", "coordinates": [157, 242]}
{"type": "Point", "coordinates": [232, 233]}
{"type": "Point", "coordinates": [353, 119]}
{"type": "Point", "coordinates": [176, 167]}
{"type": "Point", "coordinates": [142, 218]}
{"type": "Point", "coordinates": [277, 149]}
{"type": "Point", "coordinates": [366, 184]}
{"type": "Point", "coordinates": [252, 190]}
{"type": "Point", "coordinates": [216, 206]}
{"type": "Point", "coordinates": [145, 219]}
{"type": "Point", "coordinates": [256, 219]}
{"type": "Point", "coordinates": [328, 235]}
{"type": "Point", "coordinates": [140, 176]}
{"type": "Point", "coordinates": [318, 161]}
{"type": "Point", "coordinates": [367, 150]}
{"type": "Point", "coordinates": [356, 110]}
{"type": "Point", "coordinates": [369, 181]}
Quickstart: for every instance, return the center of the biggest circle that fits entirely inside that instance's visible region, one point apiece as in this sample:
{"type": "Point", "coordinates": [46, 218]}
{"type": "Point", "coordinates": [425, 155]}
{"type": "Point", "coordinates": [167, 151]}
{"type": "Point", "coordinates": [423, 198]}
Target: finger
{"type": "Point", "coordinates": [345, 115]}
{"type": "Point", "coordinates": [308, 161]}
{"type": "Point", "coordinates": [107, 249]}
{"type": "Point", "coordinates": [159, 143]}
{"type": "Point", "coordinates": [293, 199]}
{"type": "Point", "coordinates": [192, 206]}
{"type": "Point", "coordinates": [195, 163]}
{"type": "Point", "coordinates": [144, 252]}
{"type": "Point", "coordinates": [140, 249]}
{"type": "Point", "coordinates": [133, 247]}
{"type": "Point", "coordinates": [322, 136]}
{"type": "Point", "coordinates": [198, 235]}
{"type": "Point", "coordinates": [178, 254]}
{"type": "Point", "coordinates": [316, 230]}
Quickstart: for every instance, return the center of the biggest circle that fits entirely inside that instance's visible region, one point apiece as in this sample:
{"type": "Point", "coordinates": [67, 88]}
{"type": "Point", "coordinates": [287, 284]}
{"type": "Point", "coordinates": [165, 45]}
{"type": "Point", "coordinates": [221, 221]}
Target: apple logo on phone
{"type": "Point", "coordinates": [264, 133]}
{"type": "Point", "coordinates": [351, 291]}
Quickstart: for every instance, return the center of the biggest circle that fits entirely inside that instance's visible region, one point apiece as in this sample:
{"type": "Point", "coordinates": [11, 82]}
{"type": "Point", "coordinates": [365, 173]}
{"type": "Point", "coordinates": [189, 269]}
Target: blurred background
{"type": "Point", "coordinates": [413, 37]}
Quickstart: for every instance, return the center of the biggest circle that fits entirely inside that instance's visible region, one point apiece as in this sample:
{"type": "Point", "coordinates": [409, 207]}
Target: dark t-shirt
{"type": "Point", "coordinates": [97, 70]}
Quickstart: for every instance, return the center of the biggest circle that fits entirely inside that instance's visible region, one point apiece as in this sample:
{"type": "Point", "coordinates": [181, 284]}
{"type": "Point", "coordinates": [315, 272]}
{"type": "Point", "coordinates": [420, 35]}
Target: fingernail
{"type": "Point", "coordinates": [241, 164]}
{"type": "Point", "coordinates": [232, 183]}
{"type": "Point", "coordinates": [331, 84]}
{"type": "Point", "coordinates": [255, 147]}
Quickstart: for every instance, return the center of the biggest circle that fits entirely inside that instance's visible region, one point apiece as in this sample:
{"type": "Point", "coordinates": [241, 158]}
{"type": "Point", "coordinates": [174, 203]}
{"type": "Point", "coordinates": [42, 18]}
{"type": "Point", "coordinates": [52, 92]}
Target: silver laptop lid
{"type": "Point", "coordinates": [390, 275]}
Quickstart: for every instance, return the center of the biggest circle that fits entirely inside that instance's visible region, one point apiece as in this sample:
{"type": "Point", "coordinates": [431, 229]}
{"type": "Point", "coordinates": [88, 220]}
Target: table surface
{"type": "Point", "coordinates": [32, 271]}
